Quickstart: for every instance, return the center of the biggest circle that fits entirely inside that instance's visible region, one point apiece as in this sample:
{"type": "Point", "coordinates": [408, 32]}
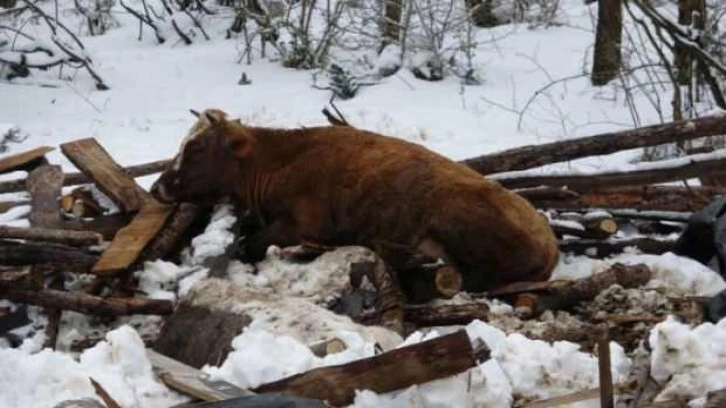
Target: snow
{"type": "Point", "coordinates": [679, 274]}
{"type": "Point", "coordinates": [530, 368]}
{"type": "Point", "coordinates": [119, 364]}
{"type": "Point", "coordinates": [689, 361]}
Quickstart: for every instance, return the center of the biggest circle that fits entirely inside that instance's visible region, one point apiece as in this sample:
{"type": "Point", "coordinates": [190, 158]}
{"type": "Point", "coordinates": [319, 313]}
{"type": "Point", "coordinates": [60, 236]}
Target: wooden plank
{"type": "Point", "coordinates": [24, 160]}
{"type": "Point", "coordinates": [44, 185]}
{"type": "Point", "coordinates": [93, 160]}
{"type": "Point", "coordinates": [190, 381]}
{"type": "Point", "coordinates": [131, 240]}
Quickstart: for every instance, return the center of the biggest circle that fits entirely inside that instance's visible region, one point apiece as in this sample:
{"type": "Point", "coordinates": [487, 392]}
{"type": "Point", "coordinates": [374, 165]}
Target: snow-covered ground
{"type": "Point", "coordinates": [146, 113]}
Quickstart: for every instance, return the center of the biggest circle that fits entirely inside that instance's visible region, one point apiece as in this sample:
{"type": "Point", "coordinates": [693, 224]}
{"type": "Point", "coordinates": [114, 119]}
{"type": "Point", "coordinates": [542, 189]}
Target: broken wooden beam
{"type": "Point", "coordinates": [83, 303]}
{"type": "Point", "coordinates": [538, 155]}
{"type": "Point", "coordinates": [166, 241]}
{"type": "Point", "coordinates": [564, 297]}
{"type": "Point", "coordinates": [660, 173]}
{"type": "Point", "coordinates": [59, 236]}
{"type": "Point", "coordinates": [131, 240]}
{"type": "Point", "coordinates": [188, 380]}
{"type": "Point", "coordinates": [93, 160]}
{"type": "Point", "coordinates": [27, 160]}
{"type": "Point", "coordinates": [393, 370]}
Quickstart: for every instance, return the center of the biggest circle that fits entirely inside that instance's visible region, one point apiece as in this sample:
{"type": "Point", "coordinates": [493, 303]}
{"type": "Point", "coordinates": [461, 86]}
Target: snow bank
{"type": "Point", "coordinates": [119, 364]}
{"type": "Point", "coordinates": [530, 369]}
{"type": "Point", "coordinates": [692, 360]}
{"type": "Point", "coordinates": [679, 274]}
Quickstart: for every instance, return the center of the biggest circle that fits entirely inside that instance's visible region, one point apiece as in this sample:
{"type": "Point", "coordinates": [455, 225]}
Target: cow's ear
{"type": "Point", "coordinates": [239, 143]}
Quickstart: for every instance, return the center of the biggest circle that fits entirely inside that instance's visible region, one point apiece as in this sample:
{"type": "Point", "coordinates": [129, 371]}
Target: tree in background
{"type": "Point", "coordinates": [608, 38]}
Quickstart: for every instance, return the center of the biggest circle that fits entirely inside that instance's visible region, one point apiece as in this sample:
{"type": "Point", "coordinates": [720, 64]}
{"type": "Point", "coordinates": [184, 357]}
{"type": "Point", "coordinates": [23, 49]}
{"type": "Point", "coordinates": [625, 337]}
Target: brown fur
{"type": "Point", "coordinates": [333, 186]}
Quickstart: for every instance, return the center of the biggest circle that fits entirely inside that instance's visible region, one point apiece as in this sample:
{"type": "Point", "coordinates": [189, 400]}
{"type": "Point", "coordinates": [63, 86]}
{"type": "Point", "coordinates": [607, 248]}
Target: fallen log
{"type": "Point", "coordinates": [538, 155]}
{"type": "Point", "coordinates": [92, 159]}
{"type": "Point", "coordinates": [566, 297]}
{"type": "Point", "coordinates": [27, 160]}
{"type": "Point", "coordinates": [601, 249]}
{"type": "Point", "coordinates": [60, 257]}
{"type": "Point", "coordinates": [660, 198]}
{"type": "Point", "coordinates": [393, 370]}
{"type": "Point", "coordinates": [446, 315]}
{"type": "Point", "coordinates": [389, 297]}
{"type": "Point", "coordinates": [83, 303]}
{"type": "Point", "coordinates": [536, 194]}
{"type": "Point", "coordinates": [60, 236]}
{"type": "Point", "coordinates": [646, 215]}
{"type": "Point", "coordinates": [637, 177]}
{"type": "Point", "coordinates": [599, 228]}
{"type": "Point", "coordinates": [131, 240]}
{"type": "Point", "coordinates": [72, 179]}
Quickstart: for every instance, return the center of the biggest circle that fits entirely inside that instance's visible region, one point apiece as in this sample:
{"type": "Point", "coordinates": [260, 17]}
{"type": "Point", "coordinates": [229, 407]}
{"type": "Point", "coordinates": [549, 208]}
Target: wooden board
{"type": "Point", "coordinates": [21, 160]}
{"type": "Point", "coordinates": [131, 240]}
{"type": "Point", "coordinates": [93, 160]}
{"type": "Point", "coordinates": [44, 185]}
{"type": "Point", "coordinates": [190, 381]}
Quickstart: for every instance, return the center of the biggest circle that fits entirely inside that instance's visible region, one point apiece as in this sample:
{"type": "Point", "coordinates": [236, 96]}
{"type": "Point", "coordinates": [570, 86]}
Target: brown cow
{"type": "Point", "coordinates": [334, 186]}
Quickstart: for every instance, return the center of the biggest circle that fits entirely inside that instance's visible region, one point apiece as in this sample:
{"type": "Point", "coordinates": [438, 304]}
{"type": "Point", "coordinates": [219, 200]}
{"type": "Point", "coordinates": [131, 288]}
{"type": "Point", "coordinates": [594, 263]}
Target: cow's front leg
{"type": "Point", "coordinates": [281, 232]}
{"type": "Point", "coordinates": [316, 233]}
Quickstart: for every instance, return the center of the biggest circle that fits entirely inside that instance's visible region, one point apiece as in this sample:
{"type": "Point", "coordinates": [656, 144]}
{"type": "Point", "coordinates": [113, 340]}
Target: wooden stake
{"type": "Point", "coordinates": [605, 375]}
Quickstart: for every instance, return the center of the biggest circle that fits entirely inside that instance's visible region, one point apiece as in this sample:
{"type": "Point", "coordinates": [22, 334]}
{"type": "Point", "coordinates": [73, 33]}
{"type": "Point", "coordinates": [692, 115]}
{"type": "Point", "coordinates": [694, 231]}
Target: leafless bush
{"type": "Point", "coordinates": [97, 14]}
{"type": "Point", "coordinates": [183, 17]}
{"type": "Point", "coordinates": [61, 48]}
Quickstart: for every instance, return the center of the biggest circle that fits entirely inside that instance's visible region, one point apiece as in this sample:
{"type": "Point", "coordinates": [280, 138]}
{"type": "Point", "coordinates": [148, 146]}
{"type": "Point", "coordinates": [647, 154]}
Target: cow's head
{"type": "Point", "coordinates": [206, 166]}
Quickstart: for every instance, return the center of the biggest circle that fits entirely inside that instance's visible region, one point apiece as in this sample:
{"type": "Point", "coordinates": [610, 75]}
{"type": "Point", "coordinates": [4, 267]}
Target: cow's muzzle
{"type": "Point", "coordinates": [163, 190]}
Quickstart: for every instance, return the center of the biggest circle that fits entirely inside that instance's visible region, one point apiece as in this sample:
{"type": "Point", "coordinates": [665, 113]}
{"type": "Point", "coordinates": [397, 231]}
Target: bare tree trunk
{"type": "Point", "coordinates": [480, 13]}
{"type": "Point", "coordinates": [607, 58]}
{"type": "Point", "coordinates": [391, 27]}
{"type": "Point", "coordinates": [683, 61]}
{"type": "Point", "coordinates": [8, 4]}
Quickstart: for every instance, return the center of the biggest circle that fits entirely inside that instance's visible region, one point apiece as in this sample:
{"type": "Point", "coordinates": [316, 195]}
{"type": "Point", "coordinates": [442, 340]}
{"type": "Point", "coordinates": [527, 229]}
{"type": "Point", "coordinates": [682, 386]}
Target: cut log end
{"type": "Point", "coordinates": [448, 281]}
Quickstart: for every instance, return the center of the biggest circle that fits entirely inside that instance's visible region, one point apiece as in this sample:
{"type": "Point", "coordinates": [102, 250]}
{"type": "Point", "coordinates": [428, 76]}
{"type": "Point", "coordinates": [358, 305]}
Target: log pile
{"type": "Point", "coordinates": [595, 215]}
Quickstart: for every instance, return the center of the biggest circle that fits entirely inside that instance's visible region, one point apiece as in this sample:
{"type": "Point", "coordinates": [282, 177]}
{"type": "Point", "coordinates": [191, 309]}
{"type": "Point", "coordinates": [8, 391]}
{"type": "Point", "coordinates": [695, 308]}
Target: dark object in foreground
{"type": "Point", "coordinates": [260, 401]}
{"type": "Point", "coordinates": [705, 235]}
{"type": "Point", "coordinates": [714, 309]}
